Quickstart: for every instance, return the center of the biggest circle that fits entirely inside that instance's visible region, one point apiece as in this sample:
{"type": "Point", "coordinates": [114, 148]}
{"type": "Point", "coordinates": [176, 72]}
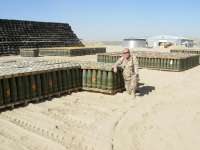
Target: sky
{"type": "Point", "coordinates": [111, 20]}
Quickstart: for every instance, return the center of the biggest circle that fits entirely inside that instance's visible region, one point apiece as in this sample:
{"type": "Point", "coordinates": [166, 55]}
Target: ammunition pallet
{"type": "Point", "coordinates": [16, 34]}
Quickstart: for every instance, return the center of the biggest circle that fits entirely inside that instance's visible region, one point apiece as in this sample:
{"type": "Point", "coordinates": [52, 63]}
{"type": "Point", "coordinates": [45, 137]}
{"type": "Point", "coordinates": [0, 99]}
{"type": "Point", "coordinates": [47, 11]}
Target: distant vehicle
{"type": "Point", "coordinates": [149, 46]}
{"type": "Point", "coordinates": [168, 45]}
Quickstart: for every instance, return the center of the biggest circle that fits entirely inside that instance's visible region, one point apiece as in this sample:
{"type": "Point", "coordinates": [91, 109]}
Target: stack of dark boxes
{"type": "Point", "coordinates": [16, 34]}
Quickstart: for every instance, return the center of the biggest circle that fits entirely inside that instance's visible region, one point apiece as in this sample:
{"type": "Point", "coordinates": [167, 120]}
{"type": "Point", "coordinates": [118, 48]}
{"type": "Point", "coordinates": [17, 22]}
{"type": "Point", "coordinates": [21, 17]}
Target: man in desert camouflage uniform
{"type": "Point", "coordinates": [130, 71]}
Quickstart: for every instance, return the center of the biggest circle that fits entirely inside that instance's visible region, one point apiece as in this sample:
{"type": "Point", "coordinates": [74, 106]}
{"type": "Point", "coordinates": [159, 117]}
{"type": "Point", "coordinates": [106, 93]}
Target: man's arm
{"type": "Point", "coordinates": [119, 62]}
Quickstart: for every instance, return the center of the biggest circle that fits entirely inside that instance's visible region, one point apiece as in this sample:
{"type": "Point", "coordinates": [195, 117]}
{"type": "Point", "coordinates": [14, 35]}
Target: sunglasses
{"type": "Point", "coordinates": [126, 52]}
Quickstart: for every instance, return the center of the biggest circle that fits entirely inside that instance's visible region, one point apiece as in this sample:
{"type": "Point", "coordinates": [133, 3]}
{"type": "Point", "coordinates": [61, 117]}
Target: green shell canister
{"type": "Point", "coordinates": [1, 94]}
{"type": "Point", "coordinates": [44, 83]}
{"type": "Point", "coordinates": [13, 89]}
{"type": "Point", "coordinates": [55, 84]}
{"type": "Point", "coordinates": [38, 85]}
{"type": "Point", "coordinates": [104, 80]}
{"type": "Point", "coordinates": [27, 87]}
{"type": "Point", "coordinates": [59, 80]}
{"type": "Point", "coordinates": [110, 81]}
{"type": "Point", "coordinates": [32, 86]}
{"type": "Point", "coordinates": [84, 78]}
{"type": "Point", "coordinates": [99, 79]}
{"type": "Point", "coordinates": [89, 78]}
{"type": "Point", "coordinates": [94, 78]}
{"type": "Point", "coordinates": [20, 89]}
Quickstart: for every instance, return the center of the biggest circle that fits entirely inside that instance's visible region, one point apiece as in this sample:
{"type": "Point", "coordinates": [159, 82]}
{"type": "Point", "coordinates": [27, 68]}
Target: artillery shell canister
{"type": "Point", "coordinates": [94, 79]}
{"type": "Point", "coordinates": [84, 78]}
{"type": "Point", "coordinates": [38, 85]}
{"type": "Point", "coordinates": [27, 87]}
{"type": "Point", "coordinates": [59, 78]}
{"type": "Point", "coordinates": [13, 89]}
{"type": "Point", "coordinates": [99, 79]}
{"type": "Point", "coordinates": [33, 86]}
{"type": "Point", "coordinates": [1, 94]}
{"type": "Point", "coordinates": [44, 83]}
{"type": "Point", "coordinates": [110, 81]}
{"type": "Point", "coordinates": [89, 78]}
{"type": "Point", "coordinates": [55, 82]}
{"type": "Point", "coordinates": [104, 80]}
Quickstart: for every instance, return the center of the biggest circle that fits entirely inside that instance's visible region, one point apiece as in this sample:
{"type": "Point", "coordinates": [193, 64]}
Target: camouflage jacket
{"type": "Point", "coordinates": [130, 66]}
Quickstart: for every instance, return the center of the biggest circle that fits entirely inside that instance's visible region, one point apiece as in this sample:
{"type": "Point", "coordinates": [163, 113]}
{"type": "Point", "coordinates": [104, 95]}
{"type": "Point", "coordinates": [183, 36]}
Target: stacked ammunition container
{"type": "Point", "coordinates": [189, 51]}
{"type": "Point", "coordinates": [101, 78]}
{"type": "Point", "coordinates": [27, 80]}
{"type": "Point", "coordinates": [29, 52]}
{"type": "Point", "coordinates": [71, 51]}
{"type": "Point", "coordinates": [156, 60]}
{"type": "Point", "coordinates": [16, 34]}
{"type": "Point", "coordinates": [24, 80]}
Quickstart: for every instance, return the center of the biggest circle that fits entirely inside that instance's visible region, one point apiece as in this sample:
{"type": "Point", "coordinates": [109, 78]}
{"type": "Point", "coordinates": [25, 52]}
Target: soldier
{"type": "Point", "coordinates": [130, 73]}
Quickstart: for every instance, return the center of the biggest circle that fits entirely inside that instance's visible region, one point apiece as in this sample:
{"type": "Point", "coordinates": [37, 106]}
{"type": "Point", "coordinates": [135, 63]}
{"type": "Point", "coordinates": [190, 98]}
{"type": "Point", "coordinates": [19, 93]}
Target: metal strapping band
{"type": "Point", "coordinates": [47, 82]}
{"type": "Point", "coordinates": [72, 80]}
{"type": "Point", "coordinates": [30, 85]}
{"type": "Point", "coordinates": [4, 91]}
{"type": "Point", "coordinates": [13, 87]}
{"type": "Point", "coordinates": [23, 88]}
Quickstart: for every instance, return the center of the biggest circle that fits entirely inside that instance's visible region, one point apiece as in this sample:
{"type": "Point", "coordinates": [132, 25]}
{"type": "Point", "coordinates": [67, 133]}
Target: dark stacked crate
{"type": "Point", "coordinates": [16, 34]}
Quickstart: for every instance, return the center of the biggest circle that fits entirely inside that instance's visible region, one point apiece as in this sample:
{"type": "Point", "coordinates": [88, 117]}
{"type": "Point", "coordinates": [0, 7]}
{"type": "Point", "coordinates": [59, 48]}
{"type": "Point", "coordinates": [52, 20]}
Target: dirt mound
{"type": "Point", "coordinates": [92, 43]}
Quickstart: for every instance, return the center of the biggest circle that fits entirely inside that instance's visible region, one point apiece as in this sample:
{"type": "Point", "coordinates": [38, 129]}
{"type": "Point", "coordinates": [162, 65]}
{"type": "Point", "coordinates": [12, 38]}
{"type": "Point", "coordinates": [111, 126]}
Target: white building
{"type": "Point", "coordinates": [157, 40]}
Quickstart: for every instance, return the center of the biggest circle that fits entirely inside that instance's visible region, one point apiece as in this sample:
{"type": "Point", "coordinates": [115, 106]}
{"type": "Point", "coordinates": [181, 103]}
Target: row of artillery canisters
{"type": "Point", "coordinates": [15, 34]}
{"type": "Point", "coordinates": [26, 79]}
{"type": "Point", "coordinates": [62, 51]}
{"type": "Point", "coordinates": [156, 60]}
{"type": "Point", "coordinates": [189, 51]}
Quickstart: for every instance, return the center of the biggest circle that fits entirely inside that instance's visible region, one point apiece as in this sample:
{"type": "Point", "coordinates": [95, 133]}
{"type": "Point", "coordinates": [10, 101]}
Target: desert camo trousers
{"type": "Point", "coordinates": [131, 85]}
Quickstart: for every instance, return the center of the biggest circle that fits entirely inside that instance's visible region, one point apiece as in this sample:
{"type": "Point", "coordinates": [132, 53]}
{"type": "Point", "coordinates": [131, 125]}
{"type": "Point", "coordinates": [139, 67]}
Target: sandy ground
{"type": "Point", "coordinates": [92, 43]}
{"type": "Point", "coordinates": [164, 116]}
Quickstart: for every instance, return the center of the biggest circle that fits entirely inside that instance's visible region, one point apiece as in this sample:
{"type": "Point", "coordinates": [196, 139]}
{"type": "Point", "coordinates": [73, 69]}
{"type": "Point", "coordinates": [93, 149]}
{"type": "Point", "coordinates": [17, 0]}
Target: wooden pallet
{"type": "Point", "coordinates": [161, 69]}
{"type": "Point", "coordinates": [103, 91]}
{"type": "Point", "coordinates": [37, 99]}
{"type": "Point", "coordinates": [171, 70]}
{"type": "Point", "coordinates": [59, 93]}
{"type": "Point", "coordinates": [12, 105]}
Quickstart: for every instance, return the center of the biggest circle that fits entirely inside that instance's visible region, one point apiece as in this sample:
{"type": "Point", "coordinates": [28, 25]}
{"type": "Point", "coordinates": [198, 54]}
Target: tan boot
{"type": "Point", "coordinates": [133, 95]}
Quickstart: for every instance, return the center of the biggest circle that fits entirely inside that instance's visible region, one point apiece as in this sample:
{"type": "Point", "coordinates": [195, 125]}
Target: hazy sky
{"type": "Point", "coordinates": [111, 20]}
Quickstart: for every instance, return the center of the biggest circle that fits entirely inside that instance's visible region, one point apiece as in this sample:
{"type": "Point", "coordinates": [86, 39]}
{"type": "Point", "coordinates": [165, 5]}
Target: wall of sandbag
{"type": "Point", "coordinates": [32, 79]}
{"type": "Point", "coordinates": [156, 60]}
{"type": "Point", "coordinates": [189, 51]}
{"type": "Point", "coordinates": [71, 51]}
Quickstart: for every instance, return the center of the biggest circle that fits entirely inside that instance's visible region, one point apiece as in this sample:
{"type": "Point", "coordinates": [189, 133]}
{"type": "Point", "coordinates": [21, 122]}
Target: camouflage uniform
{"type": "Point", "coordinates": [130, 67]}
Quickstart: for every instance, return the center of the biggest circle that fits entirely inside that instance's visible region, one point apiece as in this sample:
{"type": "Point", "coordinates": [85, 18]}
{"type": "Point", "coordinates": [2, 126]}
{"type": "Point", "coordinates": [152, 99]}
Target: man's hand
{"type": "Point", "coordinates": [133, 76]}
{"type": "Point", "coordinates": [115, 70]}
